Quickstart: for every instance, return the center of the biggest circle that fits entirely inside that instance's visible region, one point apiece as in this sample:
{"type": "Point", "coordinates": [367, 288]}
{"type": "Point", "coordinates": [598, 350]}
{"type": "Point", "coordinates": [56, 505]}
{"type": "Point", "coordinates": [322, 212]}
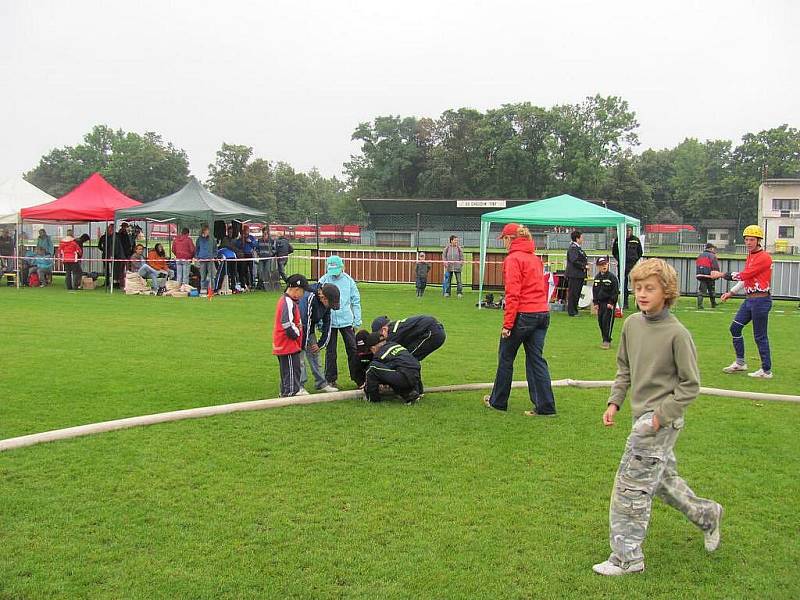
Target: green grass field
{"type": "Point", "coordinates": [439, 500]}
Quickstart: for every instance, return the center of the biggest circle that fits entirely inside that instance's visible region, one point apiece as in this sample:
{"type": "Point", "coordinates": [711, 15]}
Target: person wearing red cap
{"type": "Point", "coordinates": [525, 323]}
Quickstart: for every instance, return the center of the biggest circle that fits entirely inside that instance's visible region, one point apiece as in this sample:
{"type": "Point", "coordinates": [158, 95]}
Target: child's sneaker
{"type": "Point", "coordinates": [328, 388]}
{"type": "Point", "coordinates": [735, 367]}
{"type": "Point", "coordinates": [301, 392]}
{"type": "Point", "coordinates": [761, 374]}
{"type": "Point", "coordinates": [711, 537]}
{"type": "Point", "coordinates": [608, 568]}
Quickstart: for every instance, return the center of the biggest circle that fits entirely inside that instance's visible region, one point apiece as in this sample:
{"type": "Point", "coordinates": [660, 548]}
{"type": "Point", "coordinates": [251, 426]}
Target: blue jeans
{"type": "Point", "coordinates": [148, 271]}
{"type": "Point", "coordinates": [529, 331]}
{"type": "Point", "coordinates": [206, 274]}
{"type": "Point", "coordinates": [757, 311]}
{"type": "Point", "coordinates": [183, 268]}
{"type": "Point", "coordinates": [448, 275]}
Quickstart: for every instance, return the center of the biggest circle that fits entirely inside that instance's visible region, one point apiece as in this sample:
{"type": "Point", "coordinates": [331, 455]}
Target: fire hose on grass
{"type": "Point", "coordinates": [210, 411]}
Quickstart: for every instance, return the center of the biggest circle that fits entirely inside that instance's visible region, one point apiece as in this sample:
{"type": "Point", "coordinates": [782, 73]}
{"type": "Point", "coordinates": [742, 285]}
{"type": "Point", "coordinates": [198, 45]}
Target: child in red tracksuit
{"type": "Point", "coordinates": [287, 336]}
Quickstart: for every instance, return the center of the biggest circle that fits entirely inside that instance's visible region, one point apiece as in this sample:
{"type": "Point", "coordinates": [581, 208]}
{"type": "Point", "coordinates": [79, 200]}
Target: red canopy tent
{"type": "Point", "coordinates": [93, 200]}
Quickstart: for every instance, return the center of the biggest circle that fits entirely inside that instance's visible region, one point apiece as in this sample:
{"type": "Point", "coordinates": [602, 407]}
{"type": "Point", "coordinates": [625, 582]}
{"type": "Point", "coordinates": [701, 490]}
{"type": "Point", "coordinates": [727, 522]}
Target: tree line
{"type": "Point", "coordinates": [587, 149]}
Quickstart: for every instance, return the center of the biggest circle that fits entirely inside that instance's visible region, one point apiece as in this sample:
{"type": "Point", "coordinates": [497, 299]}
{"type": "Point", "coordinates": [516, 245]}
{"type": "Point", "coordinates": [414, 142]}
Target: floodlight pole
{"type": "Point", "coordinates": [417, 233]}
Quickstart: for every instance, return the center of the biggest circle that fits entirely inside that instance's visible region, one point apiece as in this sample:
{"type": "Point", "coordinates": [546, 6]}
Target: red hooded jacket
{"type": "Point", "coordinates": [288, 332]}
{"type": "Point", "coordinates": [69, 250]}
{"type": "Point", "coordinates": [523, 276]}
{"type": "Point", "coordinates": [183, 247]}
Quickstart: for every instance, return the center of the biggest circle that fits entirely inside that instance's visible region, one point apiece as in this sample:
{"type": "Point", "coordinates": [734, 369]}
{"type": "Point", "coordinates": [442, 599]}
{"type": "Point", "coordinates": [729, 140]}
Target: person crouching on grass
{"type": "Point", "coordinates": [287, 336]}
{"type": "Point", "coordinates": [657, 359]}
{"type": "Point", "coordinates": [393, 366]}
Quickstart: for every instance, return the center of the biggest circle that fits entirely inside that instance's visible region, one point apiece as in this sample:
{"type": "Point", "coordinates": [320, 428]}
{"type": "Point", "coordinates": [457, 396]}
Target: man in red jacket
{"type": "Point", "coordinates": [288, 334]}
{"type": "Point", "coordinates": [525, 323]}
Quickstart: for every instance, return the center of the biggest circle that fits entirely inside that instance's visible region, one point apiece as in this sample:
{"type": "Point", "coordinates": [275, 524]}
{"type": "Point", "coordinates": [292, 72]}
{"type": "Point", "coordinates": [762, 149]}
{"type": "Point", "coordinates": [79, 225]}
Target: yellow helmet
{"type": "Point", "coordinates": [753, 231]}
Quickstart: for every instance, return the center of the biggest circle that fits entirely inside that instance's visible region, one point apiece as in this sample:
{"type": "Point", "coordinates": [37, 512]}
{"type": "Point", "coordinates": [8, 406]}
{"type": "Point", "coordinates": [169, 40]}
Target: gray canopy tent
{"type": "Point", "coordinates": [559, 210]}
{"type": "Point", "coordinates": [192, 204]}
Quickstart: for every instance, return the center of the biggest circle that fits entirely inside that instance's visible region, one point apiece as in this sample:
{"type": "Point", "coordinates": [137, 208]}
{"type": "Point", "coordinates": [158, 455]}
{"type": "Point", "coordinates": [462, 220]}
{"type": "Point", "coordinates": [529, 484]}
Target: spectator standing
{"type": "Point", "coordinates": [204, 252]}
{"type": "Point", "coordinates": [525, 322]}
{"type": "Point", "coordinates": [287, 336]}
{"type": "Point", "coordinates": [6, 251]}
{"type": "Point", "coordinates": [122, 252]}
{"type": "Point", "coordinates": [657, 360]}
{"type": "Point", "coordinates": [282, 251]}
{"type": "Point", "coordinates": [44, 241]}
{"type": "Point", "coordinates": [605, 293]}
{"type": "Point", "coordinates": [266, 252]}
{"type": "Point", "coordinates": [184, 250]}
{"type": "Point", "coordinates": [246, 246]}
{"type": "Point", "coordinates": [70, 253]}
{"type": "Point", "coordinates": [705, 263]}
{"type": "Point", "coordinates": [575, 272]}
{"type": "Point", "coordinates": [343, 320]}
{"type": "Point", "coordinates": [106, 246]}
{"type": "Point", "coordinates": [453, 258]}
{"type": "Point", "coordinates": [421, 270]}
{"type": "Point", "coordinates": [633, 252]}
{"type": "Point", "coordinates": [315, 309]}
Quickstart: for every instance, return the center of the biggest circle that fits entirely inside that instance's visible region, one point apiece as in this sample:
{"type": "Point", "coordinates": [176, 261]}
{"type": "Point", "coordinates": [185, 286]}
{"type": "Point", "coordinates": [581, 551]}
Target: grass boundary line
{"type": "Point", "coordinates": [210, 411]}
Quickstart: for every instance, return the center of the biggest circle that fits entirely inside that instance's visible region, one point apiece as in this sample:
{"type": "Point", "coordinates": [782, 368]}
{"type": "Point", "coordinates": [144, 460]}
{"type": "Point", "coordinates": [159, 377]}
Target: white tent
{"type": "Point", "coordinates": [15, 194]}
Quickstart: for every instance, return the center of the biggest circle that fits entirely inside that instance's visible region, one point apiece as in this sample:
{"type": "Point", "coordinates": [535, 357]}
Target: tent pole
{"type": "Point", "coordinates": [485, 225]}
{"type": "Point", "coordinates": [17, 235]}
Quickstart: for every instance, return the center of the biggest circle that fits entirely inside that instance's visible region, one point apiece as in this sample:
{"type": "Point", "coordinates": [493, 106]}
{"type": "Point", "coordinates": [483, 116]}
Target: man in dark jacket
{"type": "Point", "coordinates": [420, 335]}
{"type": "Point", "coordinates": [633, 252]}
{"type": "Point", "coordinates": [315, 309]}
{"type": "Point", "coordinates": [575, 272]}
{"type": "Point", "coordinates": [391, 365]}
{"type": "Point", "coordinates": [282, 251]}
{"type": "Point", "coordinates": [605, 293]}
{"type": "Point", "coordinates": [705, 263]}
{"type": "Point", "coordinates": [106, 246]}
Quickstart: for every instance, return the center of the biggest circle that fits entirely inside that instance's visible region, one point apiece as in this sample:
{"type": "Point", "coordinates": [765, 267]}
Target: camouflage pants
{"type": "Point", "coordinates": [648, 469]}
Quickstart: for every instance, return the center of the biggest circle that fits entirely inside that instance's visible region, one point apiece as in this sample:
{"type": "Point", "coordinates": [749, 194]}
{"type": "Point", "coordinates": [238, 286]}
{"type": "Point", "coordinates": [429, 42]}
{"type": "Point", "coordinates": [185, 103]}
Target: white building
{"type": "Point", "coordinates": [779, 214]}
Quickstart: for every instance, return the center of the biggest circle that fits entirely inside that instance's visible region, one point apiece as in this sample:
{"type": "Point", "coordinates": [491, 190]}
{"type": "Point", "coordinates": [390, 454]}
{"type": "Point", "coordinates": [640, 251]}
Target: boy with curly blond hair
{"type": "Point", "coordinates": [657, 360]}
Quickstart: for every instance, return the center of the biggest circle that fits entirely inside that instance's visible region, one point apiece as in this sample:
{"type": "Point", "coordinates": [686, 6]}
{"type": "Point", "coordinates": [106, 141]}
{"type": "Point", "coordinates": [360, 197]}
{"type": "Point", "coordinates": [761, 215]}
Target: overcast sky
{"type": "Point", "coordinates": [293, 79]}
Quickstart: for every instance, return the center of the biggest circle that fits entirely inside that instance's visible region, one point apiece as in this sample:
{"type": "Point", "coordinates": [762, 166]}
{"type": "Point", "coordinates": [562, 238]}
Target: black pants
{"type": "Point", "coordinates": [529, 331]}
{"type": "Point", "coordinates": [574, 287]}
{"type": "Point", "coordinates": [402, 382]}
{"type": "Point", "coordinates": [244, 270]}
{"type": "Point", "coordinates": [282, 273]}
{"type": "Point", "coordinates": [72, 276]}
{"type": "Point", "coordinates": [625, 289]}
{"type": "Point", "coordinates": [706, 287]}
{"type": "Point", "coordinates": [331, 368]}
{"type": "Point", "coordinates": [605, 319]}
{"type": "Point", "coordinates": [290, 365]}
{"type": "Point", "coordinates": [430, 342]}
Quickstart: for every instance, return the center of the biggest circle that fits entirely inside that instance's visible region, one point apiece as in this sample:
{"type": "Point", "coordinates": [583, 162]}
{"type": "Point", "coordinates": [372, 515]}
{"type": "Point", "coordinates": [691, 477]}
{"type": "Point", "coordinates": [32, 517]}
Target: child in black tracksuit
{"type": "Point", "coordinates": [605, 293]}
{"type": "Point", "coordinates": [421, 270]}
{"type": "Point", "coordinates": [391, 365]}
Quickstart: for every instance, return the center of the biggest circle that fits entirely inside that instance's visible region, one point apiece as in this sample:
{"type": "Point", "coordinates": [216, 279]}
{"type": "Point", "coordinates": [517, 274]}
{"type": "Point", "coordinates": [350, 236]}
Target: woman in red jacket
{"type": "Point", "coordinates": [525, 323]}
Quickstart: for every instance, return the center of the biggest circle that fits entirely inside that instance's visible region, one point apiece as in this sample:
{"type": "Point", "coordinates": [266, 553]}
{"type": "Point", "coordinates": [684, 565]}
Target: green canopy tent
{"type": "Point", "coordinates": [192, 204]}
{"type": "Point", "coordinates": [559, 210]}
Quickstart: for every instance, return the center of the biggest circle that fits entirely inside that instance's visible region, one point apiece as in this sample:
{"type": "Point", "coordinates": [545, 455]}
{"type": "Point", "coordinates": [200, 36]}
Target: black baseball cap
{"type": "Point", "coordinates": [603, 260]}
{"type": "Point", "coordinates": [372, 339]}
{"type": "Point", "coordinates": [379, 322]}
{"type": "Point", "coordinates": [297, 280]}
{"type": "Point", "coordinates": [332, 294]}
{"type": "Point", "coordinates": [361, 341]}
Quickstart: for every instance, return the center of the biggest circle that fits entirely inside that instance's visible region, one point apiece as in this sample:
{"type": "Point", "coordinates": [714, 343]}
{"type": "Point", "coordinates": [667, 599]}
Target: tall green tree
{"type": "Point", "coordinates": [143, 167]}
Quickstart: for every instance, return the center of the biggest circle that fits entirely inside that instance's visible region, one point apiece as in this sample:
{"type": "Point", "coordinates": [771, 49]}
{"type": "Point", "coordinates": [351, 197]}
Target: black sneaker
{"type": "Point", "coordinates": [410, 397]}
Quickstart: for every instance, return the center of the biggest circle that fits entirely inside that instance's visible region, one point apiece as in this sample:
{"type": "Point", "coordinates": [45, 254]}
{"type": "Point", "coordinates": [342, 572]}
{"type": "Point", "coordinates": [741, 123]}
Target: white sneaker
{"type": "Point", "coordinates": [711, 537]}
{"type": "Point", "coordinates": [461, 295]}
{"type": "Point", "coordinates": [610, 569]}
{"type": "Point", "coordinates": [328, 388]}
{"type": "Point", "coordinates": [734, 367]}
{"type": "Point", "coordinates": [302, 392]}
{"type": "Point", "coordinates": [761, 374]}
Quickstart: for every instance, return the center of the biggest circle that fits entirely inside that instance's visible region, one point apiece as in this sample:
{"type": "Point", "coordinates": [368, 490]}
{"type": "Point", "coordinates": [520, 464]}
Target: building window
{"type": "Point", "coordinates": [712, 235]}
{"type": "Point", "coordinates": [785, 204]}
{"type": "Point", "coordinates": [723, 236]}
{"type": "Point", "coordinates": [786, 232]}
